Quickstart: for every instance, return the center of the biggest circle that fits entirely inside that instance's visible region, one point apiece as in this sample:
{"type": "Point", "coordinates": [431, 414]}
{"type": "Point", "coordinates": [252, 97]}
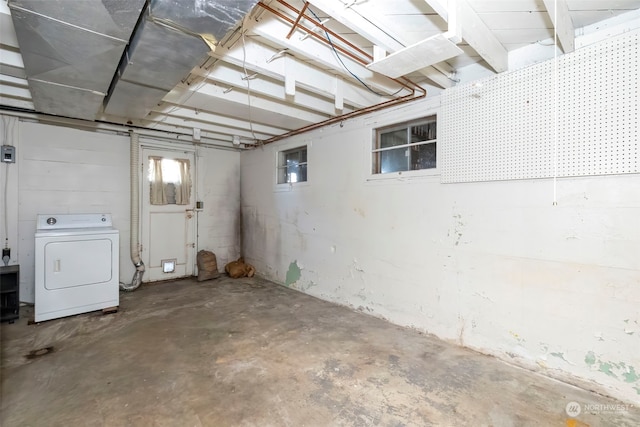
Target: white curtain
{"type": "Point", "coordinates": [183, 188]}
{"type": "Point", "coordinates": [170, 181]}
{"type": "Point", "coordinates": [158, 192]}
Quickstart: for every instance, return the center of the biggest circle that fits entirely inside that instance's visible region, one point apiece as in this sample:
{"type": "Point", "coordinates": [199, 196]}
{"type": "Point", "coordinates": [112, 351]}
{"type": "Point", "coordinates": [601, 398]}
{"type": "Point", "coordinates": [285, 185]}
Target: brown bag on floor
{"type": "Point", "coordinates": [239, 268]}
{"type": "Point", "coordinates": [207, 265]}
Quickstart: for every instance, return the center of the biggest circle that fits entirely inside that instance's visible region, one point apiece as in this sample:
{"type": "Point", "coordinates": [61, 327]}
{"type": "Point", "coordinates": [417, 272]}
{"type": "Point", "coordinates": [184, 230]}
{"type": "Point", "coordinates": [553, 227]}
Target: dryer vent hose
{"type": "Point", "coordinates": [135, 216]}
{"type": "Point", "coordinates": [136, 280]}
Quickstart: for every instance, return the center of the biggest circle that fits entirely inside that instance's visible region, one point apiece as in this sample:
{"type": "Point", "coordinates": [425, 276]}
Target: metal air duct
{"type": "Point", "coordinates": [71, 50]}
{"type": "Point", "coordinates": [168, 44]}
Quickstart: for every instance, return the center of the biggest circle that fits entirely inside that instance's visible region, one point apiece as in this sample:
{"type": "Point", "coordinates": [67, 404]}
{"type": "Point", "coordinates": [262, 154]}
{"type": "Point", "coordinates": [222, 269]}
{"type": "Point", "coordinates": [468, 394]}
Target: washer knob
{"type": "Point", "coordinates": [51, 221]}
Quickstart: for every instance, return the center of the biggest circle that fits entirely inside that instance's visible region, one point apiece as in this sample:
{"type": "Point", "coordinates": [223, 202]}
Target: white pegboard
{"type": "Point", "coordinates": [516, 126]}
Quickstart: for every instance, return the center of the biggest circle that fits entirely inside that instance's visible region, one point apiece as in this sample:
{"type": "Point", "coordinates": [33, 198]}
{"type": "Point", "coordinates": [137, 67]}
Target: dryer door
{"type": "Point", "coordinates": [77, 263]}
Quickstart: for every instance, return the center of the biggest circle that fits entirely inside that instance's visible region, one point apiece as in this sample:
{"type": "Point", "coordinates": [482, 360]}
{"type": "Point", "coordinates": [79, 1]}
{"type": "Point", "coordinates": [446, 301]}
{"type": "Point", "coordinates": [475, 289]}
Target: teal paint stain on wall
{"type": "Point", "coordinates": [620, 370]}
{"type": "Point", "coordinates": [559, 355]}
{"type": "Point", "coordinates": [631, 376]}
{"type": "Point", "coordinates": [637, 389]}
{"type": "Point", "coordinates": [606, 368]}
{"type": "Point", "coordinates": [293, 274]}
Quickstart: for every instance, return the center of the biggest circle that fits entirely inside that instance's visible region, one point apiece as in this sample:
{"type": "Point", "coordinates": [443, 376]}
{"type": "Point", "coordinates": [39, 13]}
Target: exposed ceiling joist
{"type": "Point", "coordinates": [204, 97]}
{"type": "Point", "coordinates": [7, 33]}
{"type": "Point", "coordinates": [275, 31]}
{"type": "Point", "coordinates": [294, 78]}
{"type": "Point", "coordinates": [559, 14]}
{"type": "Point", "coordinates": [11, 59]}
{"type": "Point", "coordinates": [153, 120]}
{"type": "Point", "coordinates": [348, 16]}
{"type": "Point", "coordinates": [16, 92]}
{"type": "Point", "coordinates": [218, 93]}
{"type": "Point", "coordinates": [233, 124]}
{"type": "Point", "coordinates": [191, 122]}
{"type": "Point", "coordinates": [376, 33]}
{"type": "Point", "coordinates": [14, 81]}
{"type": "Point", "coordinates": [16, 103]}
{"type": "Point", "coordinates": [422, 54]}
{"type": "Point", "coordinates": [428, 52]}
{"type": "Point", "coordinates": [234, 78]}
{"type": "Point", "coordinates": [476, 33]}
{"type": "Point", "coordinates": [267, 61]}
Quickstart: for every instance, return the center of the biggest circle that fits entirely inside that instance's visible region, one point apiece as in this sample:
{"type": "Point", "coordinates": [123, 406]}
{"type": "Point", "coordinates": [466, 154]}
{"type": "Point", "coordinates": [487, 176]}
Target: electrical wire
{"type": "Point", "coordinates": [244, 67]}
{"type": "Point", "coordinates": [335, 52]}
{"type": "Point", "coordinates": [6, 210]}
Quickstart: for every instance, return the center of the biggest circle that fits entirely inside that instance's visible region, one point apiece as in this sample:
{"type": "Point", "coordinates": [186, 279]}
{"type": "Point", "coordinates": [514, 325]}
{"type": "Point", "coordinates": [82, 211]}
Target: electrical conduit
{"type": "Point", "coordinates": [135, 215]}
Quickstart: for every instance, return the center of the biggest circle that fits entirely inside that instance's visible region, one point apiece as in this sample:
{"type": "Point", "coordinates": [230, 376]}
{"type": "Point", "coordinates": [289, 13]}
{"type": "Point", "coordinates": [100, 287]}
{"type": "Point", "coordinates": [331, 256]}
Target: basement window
{"type": "Point", "coordinates": [292, 165]}
{"type": "Point", "coordinates": [406, 146]}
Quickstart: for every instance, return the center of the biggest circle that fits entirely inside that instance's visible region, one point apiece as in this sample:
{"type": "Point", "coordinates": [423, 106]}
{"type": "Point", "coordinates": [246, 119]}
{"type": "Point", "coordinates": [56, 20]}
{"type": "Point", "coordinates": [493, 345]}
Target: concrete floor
{"type": "Point", "coordinates": [248, 352]}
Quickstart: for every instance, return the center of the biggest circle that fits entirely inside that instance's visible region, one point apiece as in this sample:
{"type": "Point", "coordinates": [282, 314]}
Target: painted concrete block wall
{"type": "Point", "coordinates": [494, 266]}
{"type": "Point", "coordinates": [219, 190]}
{"type": "Point", "coordinates": [67, 170]}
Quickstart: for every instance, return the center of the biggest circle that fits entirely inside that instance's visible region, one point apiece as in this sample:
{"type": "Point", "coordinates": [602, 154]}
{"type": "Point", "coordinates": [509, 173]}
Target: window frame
{"type": "Point", "coordinates": [375, 149]}
{"type": "Point", "coordinates": [281, 168]}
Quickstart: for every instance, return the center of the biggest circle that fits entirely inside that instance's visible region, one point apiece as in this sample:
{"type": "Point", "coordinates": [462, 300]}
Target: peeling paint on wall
{"type": "Point", "coordinates": [517, 337]}
{"type": "Point", "coordinates": [559, 356]}
{"type": "Point", "coordinates": [631, 376]}
{"type": "Point", "coordinates": [606, 368]}
{"type": "Point", "coordinates": [618, 370]}
{"type": "Point", "coordinates": [590, 358]}
{"type": "Point", "coordinates": [453, 249]}
{"type": "Point", "coordinates": [293, 274]}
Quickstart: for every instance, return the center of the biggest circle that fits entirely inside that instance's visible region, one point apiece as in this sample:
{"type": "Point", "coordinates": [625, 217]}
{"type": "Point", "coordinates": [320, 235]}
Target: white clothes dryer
{"type": "Point", "coordinates": [77, 265]}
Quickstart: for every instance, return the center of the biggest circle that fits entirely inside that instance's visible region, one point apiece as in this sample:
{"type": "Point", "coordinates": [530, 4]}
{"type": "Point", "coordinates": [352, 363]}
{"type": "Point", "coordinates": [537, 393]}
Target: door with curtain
{"type": "Point", "coordinates": [167, 220]}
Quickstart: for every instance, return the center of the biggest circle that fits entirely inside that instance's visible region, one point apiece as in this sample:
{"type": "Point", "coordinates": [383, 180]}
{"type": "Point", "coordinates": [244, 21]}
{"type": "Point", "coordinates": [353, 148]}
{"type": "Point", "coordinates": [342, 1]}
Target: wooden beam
{"type": "Point", "coordinates": [376, 32]}
{"type": "Point", "coordinates": [231, 77]}
{"type": "Point", "coordinates": [234, 103]}
{"type": "Point", "coordinates": [440, 7]}
{"type": "Point", "coordinates": [289, 77]}
{"type": "Point", "coordinates": [255, 57]}
{"type": "Point", "coordinates": [274, 30]}
{"type": "Point", "coordinates": [7, 31]}
{"type": "Point", "coordinates": [339, 99]}
{"type": "Point", "coordinates": [562, 22]}
{"type": "Point", "coordinates": [236, 124]}
{"type": "Point", "coordinates": [420, 55]}
{"type": "Point", "coordinates": [481, 39]}
{"type": "Point", "coordinates": [474, 31]}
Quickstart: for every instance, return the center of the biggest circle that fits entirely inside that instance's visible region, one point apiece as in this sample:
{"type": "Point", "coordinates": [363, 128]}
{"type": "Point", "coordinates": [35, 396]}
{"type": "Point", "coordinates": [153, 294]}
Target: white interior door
{"type": "Point", "coordinates": [167, 220]}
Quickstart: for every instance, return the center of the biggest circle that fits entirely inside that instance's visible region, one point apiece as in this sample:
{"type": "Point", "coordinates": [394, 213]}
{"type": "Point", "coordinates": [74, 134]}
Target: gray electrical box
{"type": "Point", "coordinates": [8, 154]}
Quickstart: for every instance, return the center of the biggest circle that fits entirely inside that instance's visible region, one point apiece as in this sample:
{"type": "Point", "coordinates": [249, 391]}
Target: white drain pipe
{"type": "Point", "coordinates": [135, 215]}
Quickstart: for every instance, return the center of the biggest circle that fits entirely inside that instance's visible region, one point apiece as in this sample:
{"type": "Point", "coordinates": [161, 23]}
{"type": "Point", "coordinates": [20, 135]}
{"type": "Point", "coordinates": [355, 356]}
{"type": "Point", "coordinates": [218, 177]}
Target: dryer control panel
{"type": "Point", "coordinates": [64, 221]}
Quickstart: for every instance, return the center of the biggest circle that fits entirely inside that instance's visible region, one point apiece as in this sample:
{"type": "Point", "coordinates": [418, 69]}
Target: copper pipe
{"type": "Point", "coordinates": [406, 83]}
{"type": "Point", "coordinates": [311, 33]}
{"type": "Point", "coordinates": [321, 25]}
{"type": "Point", "coordinates": [352, 114]}
{"type": "Point", "coordinates": [323, 39]}
{"type": "Point", "coordinates": [300, 15]}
